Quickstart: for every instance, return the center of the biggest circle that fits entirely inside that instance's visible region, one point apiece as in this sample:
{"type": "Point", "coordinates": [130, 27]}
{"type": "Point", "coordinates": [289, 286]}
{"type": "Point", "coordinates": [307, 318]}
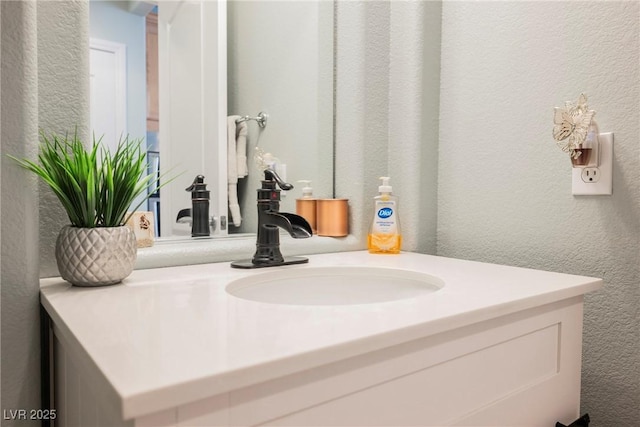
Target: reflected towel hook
{"type": "Point", "coordinates": [261, 119]}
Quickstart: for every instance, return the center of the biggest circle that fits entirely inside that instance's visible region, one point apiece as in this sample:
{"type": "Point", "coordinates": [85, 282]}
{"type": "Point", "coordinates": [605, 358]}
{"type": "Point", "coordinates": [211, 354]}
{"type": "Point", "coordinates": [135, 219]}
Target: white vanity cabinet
{"type": "Point", "coordinates": [515, 361]}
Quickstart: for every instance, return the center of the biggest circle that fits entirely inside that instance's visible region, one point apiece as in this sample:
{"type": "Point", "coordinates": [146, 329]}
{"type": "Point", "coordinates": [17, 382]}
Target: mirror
{"type": "Point", "coordinates": [274, 56]}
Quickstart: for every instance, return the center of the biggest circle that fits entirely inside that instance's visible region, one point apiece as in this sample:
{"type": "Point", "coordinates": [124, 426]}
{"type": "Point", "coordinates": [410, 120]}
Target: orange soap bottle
{"type": "Point", "coordinates": [384, 235]}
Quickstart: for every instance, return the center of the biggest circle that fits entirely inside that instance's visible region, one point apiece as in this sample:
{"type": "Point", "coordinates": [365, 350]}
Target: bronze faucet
{"type": "Point", "coordinates": [270, 220]}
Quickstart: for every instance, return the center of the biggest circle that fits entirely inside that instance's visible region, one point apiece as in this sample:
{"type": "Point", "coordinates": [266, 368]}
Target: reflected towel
{"type": "Point", "coordinates": [241, 149]}
{"type": "Point", "coordinates": [236, 164]}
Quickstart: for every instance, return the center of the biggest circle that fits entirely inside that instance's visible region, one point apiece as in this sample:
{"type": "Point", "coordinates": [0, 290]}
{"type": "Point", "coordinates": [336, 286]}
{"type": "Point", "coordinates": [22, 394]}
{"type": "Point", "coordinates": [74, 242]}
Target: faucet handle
{"type": "Point", "coordinates": [197, 185]}
{"type": "Point", "coordinates": [271, 175]}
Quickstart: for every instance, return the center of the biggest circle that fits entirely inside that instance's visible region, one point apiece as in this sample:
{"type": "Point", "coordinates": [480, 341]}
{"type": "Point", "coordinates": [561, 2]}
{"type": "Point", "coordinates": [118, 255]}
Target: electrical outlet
{"type": "Point", "coordinates": [590, 175]}
{"type": "Point", "coordinates": [596, 181]}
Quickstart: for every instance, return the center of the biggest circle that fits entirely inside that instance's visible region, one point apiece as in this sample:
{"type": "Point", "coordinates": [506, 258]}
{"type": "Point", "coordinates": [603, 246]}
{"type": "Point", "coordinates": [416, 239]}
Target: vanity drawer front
{"type": "Point", "coordinates": [528, 363]}
{"type": "Point", "coordinates": [443, 392]}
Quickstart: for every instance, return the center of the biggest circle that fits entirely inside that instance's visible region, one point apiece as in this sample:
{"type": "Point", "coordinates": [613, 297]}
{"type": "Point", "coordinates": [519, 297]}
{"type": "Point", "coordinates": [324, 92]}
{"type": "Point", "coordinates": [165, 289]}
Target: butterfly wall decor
{"type": "Point", "coordinates": [571, 125]}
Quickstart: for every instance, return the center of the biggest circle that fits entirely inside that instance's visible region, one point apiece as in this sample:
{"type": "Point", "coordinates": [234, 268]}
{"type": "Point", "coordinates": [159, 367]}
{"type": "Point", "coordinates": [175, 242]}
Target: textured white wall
{"type": "Point", "coordinates": [414, 60]}
{"type": "Point", "coordinates": [504, 188]}
{"type": "Point", "coordinates": [362, 91]}
{"type": "Point", "coordinates": [63, 98]}
{"type": "Point", "coordinates": [45, 84]}
{"type": "Point", "coordinates": [19, 286]}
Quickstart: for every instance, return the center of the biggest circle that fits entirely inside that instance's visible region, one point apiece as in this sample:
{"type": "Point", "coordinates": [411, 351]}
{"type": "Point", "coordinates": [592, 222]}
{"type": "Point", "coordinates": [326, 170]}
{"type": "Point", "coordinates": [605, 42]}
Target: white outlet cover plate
{"type": "Point", "coordinates": [604, 186]}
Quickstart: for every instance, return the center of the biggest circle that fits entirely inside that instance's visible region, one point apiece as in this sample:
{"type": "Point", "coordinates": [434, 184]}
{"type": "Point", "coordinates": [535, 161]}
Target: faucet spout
{"type": "Point", "coordinates": [295, 225]}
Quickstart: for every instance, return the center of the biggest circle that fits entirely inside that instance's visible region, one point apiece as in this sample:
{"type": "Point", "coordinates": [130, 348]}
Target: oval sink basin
{"type": "Point", "coordinates": [334, 285]}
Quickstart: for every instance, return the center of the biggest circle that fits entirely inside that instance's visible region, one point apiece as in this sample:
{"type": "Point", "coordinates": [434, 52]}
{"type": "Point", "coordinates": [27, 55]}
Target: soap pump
{"type": "Point", "coordinates": [384, 235]}
{"type": "Point", "coordinates": [306, 205]}
{"type": "Point", "coordinates": [199, 207]}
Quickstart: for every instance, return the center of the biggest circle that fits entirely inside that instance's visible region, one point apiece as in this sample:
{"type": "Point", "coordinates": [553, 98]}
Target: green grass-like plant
{"type": "Point", "coordinates": [96, 187]}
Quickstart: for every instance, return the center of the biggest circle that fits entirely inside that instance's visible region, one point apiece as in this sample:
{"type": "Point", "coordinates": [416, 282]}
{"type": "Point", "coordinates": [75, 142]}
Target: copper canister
{"type": "Point", "coordinates": [306, 208]}
{"type": "Point", "coordinates": [332, 217]}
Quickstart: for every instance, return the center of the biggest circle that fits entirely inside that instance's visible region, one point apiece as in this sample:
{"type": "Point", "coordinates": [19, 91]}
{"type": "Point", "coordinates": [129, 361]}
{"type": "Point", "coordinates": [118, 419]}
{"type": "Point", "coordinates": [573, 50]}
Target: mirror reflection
{"type": "Point", "coordinates": [173, 72]}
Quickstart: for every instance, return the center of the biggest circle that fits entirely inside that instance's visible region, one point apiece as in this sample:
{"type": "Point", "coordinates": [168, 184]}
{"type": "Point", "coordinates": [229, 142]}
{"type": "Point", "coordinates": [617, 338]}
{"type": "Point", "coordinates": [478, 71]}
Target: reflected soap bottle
{"type": "Point", "coordinates": [306, 205]}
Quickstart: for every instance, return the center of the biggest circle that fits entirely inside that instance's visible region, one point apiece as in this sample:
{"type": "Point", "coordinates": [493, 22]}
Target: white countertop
{"type": "Point", "coordinates": [169, 336]}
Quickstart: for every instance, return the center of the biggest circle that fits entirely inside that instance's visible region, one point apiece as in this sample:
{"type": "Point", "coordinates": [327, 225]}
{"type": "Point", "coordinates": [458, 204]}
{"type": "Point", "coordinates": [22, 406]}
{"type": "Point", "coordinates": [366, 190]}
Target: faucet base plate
{"type": "Point", "coordinates": [288, 260]}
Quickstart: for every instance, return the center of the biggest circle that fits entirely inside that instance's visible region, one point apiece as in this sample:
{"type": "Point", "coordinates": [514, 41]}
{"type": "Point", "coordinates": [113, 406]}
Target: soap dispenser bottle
{"type": "Point", "coordinates": [306, 206]}
{"type": "Point", "coordinates": [199, 207]}
{"type": "Point", "coordinates": [384, 235]}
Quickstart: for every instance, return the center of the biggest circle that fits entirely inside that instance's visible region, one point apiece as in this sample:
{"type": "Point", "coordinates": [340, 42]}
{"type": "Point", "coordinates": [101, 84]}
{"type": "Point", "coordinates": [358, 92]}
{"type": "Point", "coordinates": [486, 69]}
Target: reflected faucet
{"type": "Point", "coordinates": [270, 220]}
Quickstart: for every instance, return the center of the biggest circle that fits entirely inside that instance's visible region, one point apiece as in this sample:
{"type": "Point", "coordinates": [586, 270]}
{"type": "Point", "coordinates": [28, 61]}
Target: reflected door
{"type": "Point", "coordinates": [193, 106]}
{"type": "Point", "coordinates": [108, 97]}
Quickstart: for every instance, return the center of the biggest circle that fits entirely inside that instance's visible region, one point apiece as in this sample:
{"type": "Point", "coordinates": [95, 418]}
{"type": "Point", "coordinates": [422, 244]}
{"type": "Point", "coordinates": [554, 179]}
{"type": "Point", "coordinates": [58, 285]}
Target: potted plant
{"type": "Point", "coordinates": [96, 188]}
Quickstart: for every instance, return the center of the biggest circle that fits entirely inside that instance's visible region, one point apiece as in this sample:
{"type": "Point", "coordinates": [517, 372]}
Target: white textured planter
{"type": "Point", "coordinates": [95, 256]}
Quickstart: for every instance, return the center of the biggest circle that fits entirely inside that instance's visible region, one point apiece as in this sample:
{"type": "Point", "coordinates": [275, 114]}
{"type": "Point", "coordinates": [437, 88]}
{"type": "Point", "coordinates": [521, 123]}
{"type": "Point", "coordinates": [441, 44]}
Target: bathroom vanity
{"type": "Point", "coordinates": [204, 345]}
